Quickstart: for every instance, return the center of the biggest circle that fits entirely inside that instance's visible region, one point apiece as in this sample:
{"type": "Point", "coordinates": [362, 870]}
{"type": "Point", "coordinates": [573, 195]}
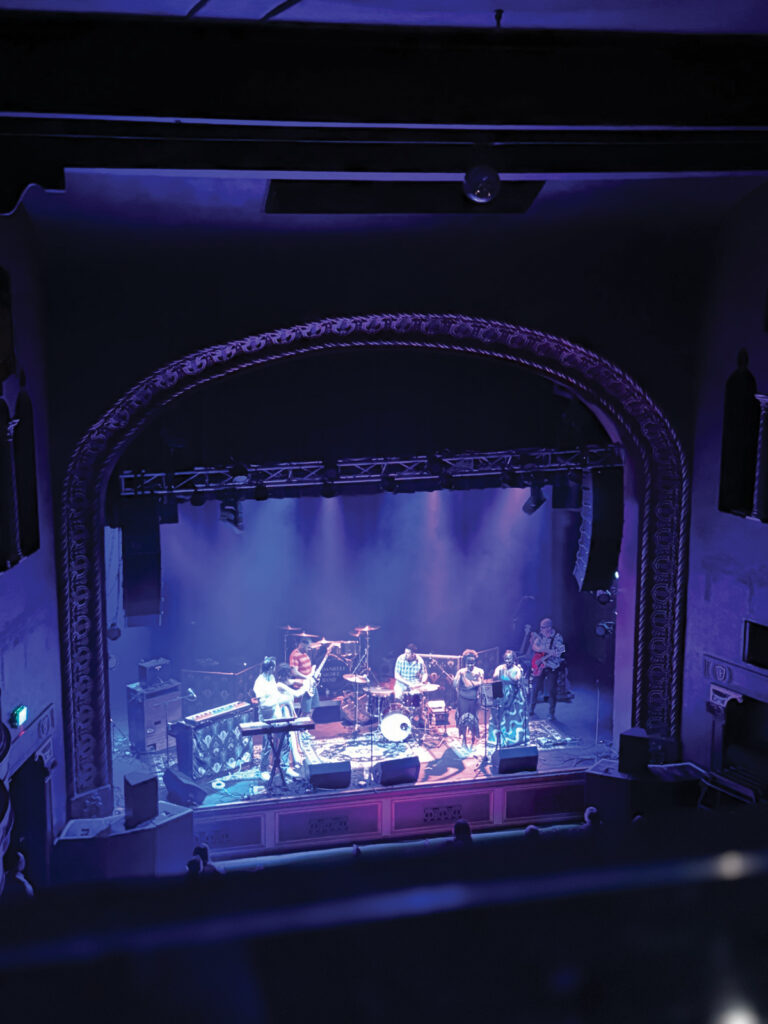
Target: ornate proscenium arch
{"type": "Point", "coordinates": [649, 440]}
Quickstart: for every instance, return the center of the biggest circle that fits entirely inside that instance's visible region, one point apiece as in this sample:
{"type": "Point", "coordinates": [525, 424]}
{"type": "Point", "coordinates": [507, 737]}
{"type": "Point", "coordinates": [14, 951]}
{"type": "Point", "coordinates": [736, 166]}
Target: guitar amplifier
{"type": "Point", "coordinates": [151, 709]}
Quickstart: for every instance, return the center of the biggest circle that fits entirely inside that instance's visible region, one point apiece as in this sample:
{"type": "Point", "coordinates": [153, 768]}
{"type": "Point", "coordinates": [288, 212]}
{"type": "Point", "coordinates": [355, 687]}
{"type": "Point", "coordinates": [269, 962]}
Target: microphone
{"type": "Point", "coordinates": [191, 695]}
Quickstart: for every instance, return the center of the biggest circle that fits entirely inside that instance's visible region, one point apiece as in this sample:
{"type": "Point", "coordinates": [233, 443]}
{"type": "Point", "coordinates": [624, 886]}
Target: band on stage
{"type": "Point", "coordinates": [503, 701]}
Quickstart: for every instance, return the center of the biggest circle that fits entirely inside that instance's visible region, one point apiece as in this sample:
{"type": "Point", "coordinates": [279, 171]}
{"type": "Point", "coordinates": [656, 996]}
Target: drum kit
{"type": "Point", "coordinates": [399, 718]}
{"type": "Point", "coordinates": [372, 701]}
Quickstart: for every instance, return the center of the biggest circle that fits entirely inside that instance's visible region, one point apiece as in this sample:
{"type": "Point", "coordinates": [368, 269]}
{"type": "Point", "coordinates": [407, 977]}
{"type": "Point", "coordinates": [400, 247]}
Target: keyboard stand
{"type": "Point", "coordinates": [276, 741]}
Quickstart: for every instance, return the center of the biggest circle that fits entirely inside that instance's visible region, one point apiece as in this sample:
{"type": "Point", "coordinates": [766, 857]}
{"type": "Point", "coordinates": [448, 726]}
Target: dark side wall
{"type": "Point", "coordinates": [30, 668]}
{"type": "Point", "coordinates": [728, 579]}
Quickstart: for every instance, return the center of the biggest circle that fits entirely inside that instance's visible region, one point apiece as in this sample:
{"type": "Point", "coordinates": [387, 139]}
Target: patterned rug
{"type": "Point", "coordinates": [441, 752]}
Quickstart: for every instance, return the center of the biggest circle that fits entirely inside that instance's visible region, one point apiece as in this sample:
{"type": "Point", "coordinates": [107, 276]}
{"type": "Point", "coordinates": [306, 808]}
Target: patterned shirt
{"type": "Point", "coordinates": [300, 660]}
{"type": "Point", "coordinates": [409, 671]}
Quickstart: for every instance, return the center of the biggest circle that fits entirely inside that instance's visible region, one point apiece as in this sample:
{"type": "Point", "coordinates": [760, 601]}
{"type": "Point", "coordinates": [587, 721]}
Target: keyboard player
{"type": "Point", "coordinates": [275, 699]}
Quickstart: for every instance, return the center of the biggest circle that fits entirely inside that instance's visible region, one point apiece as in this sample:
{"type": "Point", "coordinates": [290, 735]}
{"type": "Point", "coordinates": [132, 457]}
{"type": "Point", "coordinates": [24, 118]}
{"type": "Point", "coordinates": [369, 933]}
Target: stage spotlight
{"type": "Point", "coordinates": [445, 480]}
{"type": "Point", "coordinates": [230, 511]}
{"type": "Point", "coordinates": [328, 490]}
{"type": "Point", "coordinates": [388, 483]}
{"type": "Point", "coordinates": [435, 465]}
{"type": "Point", "coordinates": [481, 184]}
{"type": "Point", "coordinates": [238, 472]}
{"type": "Point", "coordinates": [260, 492]}
{"type": "Point", "coordinates": [605, 628]}
{"type": "Point", "coordinates": [534, 501]}
{"type": "Point", "coordinates": [603, 596]}
{"type": "Point", "coordinates": [197, 498]}
{"type": "Point", "coordinates": [330, 471]}
{"type": "Point", "coordinates": [114, 632]}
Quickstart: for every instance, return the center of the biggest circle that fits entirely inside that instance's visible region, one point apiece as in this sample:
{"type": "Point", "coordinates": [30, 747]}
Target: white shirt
{"type": "Point", "coordinates": [275, 699]}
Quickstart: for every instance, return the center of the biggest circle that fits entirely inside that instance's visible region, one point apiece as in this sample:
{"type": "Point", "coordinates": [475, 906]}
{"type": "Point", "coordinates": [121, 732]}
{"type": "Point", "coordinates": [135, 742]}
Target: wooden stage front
{"type": "Point", "coordinates": [324, 819]}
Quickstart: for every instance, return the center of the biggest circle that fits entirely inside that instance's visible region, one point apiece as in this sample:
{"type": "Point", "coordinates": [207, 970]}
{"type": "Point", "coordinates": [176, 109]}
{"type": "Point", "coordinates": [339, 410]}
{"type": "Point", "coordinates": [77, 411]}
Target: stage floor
{"type": "Point", "coordinates": [579, 736]}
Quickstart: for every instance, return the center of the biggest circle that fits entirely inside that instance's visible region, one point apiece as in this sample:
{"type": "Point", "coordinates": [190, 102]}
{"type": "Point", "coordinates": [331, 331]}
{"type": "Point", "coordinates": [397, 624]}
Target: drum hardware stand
{"type": "Point", "coordinates": [485, 759]}
{"type": "Point", "coordinates": [361, 667]}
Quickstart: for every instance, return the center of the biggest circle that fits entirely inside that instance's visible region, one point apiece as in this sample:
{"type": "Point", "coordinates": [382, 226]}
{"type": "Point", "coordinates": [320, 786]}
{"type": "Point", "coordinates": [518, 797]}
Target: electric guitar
{"type": "Point", "coordinates": [543, 659]}
{"type": "Point", "coordinates": [314, 677]}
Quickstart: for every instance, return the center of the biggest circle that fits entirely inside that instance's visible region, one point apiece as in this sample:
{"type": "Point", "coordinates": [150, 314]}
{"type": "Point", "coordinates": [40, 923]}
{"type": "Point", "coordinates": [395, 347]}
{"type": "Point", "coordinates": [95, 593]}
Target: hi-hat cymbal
{"type": "Point", "coordinates": [356, 679]}
{"type": "Point", "coordinates": [291, 629]}
{"type": "Point", "coordinates": [363, 629]}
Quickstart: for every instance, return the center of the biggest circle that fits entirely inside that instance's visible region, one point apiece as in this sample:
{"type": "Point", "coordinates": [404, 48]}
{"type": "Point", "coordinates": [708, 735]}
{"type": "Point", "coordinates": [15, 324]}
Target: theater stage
{"type": "Point", "coordinates": [435, 781]}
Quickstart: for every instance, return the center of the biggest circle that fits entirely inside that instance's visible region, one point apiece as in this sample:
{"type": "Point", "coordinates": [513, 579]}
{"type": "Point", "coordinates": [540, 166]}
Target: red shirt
{"type": "Point", "coordinates": [300, 661]}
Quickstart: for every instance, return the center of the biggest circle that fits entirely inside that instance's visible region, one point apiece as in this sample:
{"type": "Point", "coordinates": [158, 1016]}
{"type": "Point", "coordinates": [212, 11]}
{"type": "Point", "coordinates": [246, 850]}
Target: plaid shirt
{"type": "Point", "coordinates": [410, 671]}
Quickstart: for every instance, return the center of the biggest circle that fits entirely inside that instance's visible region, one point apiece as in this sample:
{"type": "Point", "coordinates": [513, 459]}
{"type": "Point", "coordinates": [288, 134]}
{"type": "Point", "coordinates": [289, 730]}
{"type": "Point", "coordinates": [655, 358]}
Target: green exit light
{"type": "Point", "coordinates": [19, 715]}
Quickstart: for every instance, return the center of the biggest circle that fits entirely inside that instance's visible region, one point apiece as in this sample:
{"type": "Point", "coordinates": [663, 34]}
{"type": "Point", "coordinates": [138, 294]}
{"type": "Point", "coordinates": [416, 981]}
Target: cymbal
{"type": "Point", "coordinates": [363, 629]}
{"type": "Point", "coordinates": [306, 636]}
{"type": "Point", "coordinates": [428, 688]}
{"type": "Point", "coordinates": [378, 691]}
{"type": "Point", "coordinates": [356, 679]}
{"type": "Point", "coordinates": [322, 642]}
{"type": "Point", "coordinates": [292, 629]}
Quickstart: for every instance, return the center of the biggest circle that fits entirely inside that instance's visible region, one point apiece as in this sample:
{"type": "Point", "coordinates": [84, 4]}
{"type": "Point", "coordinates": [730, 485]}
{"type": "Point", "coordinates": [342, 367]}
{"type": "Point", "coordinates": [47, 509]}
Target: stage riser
{"type": "Point", "coordinates": [339, 819]}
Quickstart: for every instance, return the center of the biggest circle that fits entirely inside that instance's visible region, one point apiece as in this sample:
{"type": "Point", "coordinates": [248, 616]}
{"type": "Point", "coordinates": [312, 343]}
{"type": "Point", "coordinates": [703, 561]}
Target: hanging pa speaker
{"type": "Point", "coordinates": [330, 775]}
{"type": "Point", "coordinates": [515, 759]}
{"type": "Point", "coordinates": [140, 524]}
{"type": "Point", "coordinates": [602, 521]}
{"type": "Point", "coordinates": [396, 772]}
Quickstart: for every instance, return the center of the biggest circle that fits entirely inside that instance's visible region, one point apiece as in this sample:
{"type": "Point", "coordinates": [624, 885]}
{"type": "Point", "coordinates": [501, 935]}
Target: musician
{"type": "Point", "coordinates": [301, 669]}
{"type": "Point", "coordinates": [549, 651]}
{"type": "Point", "coordinates": [275, 699]}
{"type": "Point", "coordinates": [467, 682]}
{"type": "Point", "coordinates": [410, 671]}
{"type": "Point", "coordinates": [508, 712]}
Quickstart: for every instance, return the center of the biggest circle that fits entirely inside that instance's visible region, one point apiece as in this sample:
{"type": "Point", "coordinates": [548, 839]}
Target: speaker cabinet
{"type": "Point", "coordinates": [617, 796]}
{"type": "Point", "coordinates": [515, 759]}
{"type": "Point", "coordinates": [332, 775]}
{"type": "Point", "coordinates": [602, 521]}
{"type": "Point", "coordinates": [396, 772]}
{"type": "Point", "coordinates": [634, 751]}
{"type": "Point", "coordinates": [327, 711]}
{"type": "Point", "coordinates": [140, 524]}
{"type": "Point", "coordinates": [140, 798]}
{"type": "Point", "coordinates": [151, 709]}
{"type": "Point", "coordinates": [99, 848]}
{"type": "Point", "coordinates": [182, 789]}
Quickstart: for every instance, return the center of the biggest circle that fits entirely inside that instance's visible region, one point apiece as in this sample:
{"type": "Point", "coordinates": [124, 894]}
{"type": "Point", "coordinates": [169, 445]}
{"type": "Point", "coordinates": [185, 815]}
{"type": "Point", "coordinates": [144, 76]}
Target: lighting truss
{"type": "Point", "coordinates": [516, 468]}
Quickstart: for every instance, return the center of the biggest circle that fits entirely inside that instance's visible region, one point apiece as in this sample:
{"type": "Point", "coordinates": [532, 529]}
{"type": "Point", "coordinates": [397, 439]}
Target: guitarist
{"type": "Point", "coordinates": [549, 651]}
{"type": "Point", "coordinates": [301, 668]}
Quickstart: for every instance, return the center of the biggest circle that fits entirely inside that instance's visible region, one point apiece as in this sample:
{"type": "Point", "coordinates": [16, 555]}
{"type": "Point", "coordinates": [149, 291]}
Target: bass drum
{"type": "Point", "coordinates": [396, 727]}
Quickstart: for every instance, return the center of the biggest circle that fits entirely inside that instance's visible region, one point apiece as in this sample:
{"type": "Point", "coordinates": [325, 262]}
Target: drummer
{"type": "Point", "coordinates": [410, 672]}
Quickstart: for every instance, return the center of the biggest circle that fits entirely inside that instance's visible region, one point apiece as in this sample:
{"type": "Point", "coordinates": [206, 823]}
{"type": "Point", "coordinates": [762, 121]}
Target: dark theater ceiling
{"type": "Point", "coordinates": [734, 16]}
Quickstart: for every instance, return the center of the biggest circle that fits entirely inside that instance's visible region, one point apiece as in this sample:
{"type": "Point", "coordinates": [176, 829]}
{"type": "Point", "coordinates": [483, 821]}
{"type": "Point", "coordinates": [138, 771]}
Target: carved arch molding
{"type": "Point", "coordinates": [648, 438]}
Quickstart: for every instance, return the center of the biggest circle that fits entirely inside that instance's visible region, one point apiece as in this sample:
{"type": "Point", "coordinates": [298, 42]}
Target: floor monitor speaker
{"type": "Point", "coordinates": [515, 759]}
{"type": "Point", "coordinates": [183, 790]}
{"type": "Point", "coordinates": [330, 775]}
{"type": "Point", "coordinates": [327, 711]}
{"type": "Point", "coordinates": [393, 773]}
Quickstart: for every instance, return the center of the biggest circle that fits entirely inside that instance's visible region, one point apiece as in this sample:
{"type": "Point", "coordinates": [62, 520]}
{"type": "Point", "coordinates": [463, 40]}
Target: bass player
{"type": "Point", "coordinates": [548, 649]}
